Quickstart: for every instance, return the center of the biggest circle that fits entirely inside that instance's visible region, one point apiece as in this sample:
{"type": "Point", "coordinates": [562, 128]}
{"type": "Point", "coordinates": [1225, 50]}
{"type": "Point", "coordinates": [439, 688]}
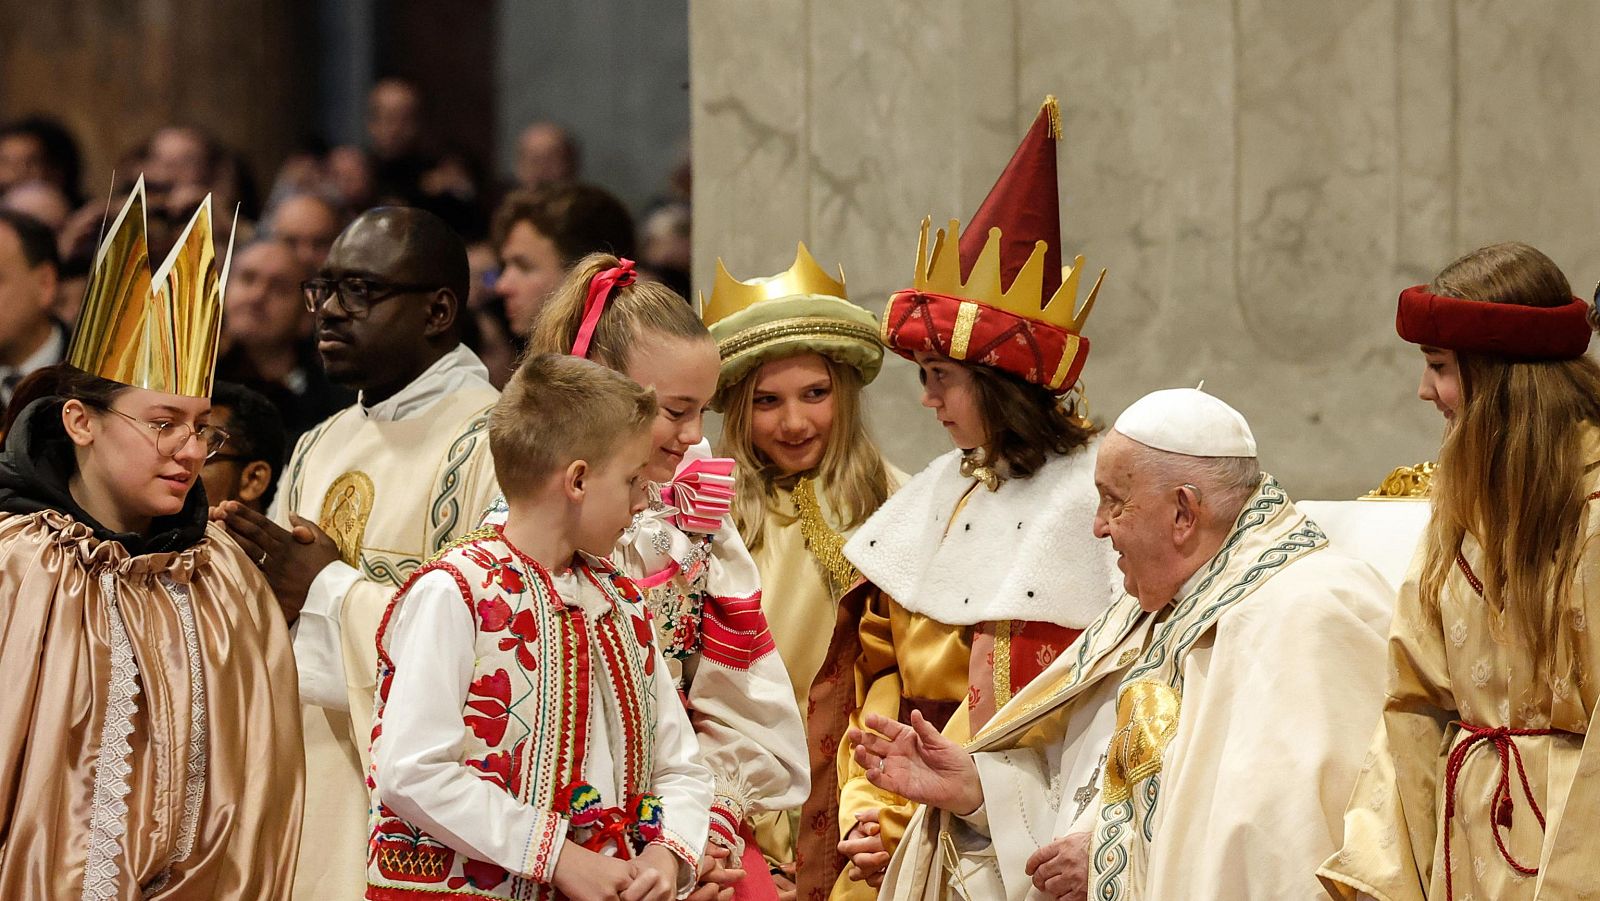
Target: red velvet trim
{"type": "Point", "coordinates": [1027, 348]}
{"type": "Point", "coordinates": [1509, 330]}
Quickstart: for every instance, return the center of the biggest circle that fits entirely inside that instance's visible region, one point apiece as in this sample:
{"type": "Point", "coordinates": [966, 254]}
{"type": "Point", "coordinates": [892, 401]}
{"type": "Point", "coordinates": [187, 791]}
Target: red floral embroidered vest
{"type": "Point", "coordinates": [526, 714]}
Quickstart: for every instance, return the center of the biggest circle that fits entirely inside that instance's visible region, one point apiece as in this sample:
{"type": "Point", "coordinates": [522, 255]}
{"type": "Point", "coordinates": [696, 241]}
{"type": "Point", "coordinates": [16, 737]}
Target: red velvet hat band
{"type": "Point", "coordinates": [1513, 331]}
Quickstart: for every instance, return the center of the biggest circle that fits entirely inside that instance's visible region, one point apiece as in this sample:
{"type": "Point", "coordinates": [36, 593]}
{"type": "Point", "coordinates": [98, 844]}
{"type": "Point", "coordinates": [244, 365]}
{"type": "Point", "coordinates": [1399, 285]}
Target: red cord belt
{"type": "Point", "coordinates": [1500, 804]}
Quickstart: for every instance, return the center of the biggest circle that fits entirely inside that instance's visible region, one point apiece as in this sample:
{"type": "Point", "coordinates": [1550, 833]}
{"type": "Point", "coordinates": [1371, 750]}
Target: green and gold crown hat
{"type": "Point", "coordinates": [801, 309]}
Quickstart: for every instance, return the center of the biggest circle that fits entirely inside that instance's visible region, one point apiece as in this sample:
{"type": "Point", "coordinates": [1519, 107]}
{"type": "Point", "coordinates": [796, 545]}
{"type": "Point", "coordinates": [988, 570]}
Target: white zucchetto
{"type": "Point", "coordinates": [1187, 421]}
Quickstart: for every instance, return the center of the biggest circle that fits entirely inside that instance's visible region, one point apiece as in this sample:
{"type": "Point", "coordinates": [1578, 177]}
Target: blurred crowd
{"type": "Point", "coordinates": [522, 235]}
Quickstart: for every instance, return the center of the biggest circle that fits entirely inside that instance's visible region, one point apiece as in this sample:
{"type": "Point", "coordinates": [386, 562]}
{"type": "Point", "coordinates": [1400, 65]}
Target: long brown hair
{"type": "Point", "coordinates": [852, 473]}
{"type": "Point", "coordinates": [1026, 423]}
{"type": "Point", "coordinates": [1512, 469]}
{"type": "Point", "coordinates": [634, 312]}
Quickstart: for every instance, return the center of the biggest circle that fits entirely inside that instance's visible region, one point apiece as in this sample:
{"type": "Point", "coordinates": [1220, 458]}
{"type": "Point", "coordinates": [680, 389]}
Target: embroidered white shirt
{"type": "Point", "coordinates": [422, 778]}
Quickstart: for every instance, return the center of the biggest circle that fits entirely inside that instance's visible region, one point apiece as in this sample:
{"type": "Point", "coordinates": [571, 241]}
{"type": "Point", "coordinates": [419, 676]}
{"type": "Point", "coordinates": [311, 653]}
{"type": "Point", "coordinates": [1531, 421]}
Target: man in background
{"type": "Point", "coordinates": [30, 338]}
{"type": "Point", "coordinates": [306, 223]}
{"type": "Point", "coordinates": [267, 332]}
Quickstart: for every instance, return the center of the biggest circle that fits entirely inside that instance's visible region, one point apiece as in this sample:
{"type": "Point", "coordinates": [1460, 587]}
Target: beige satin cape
{"type": "Point", "coordinates": [151, 740]}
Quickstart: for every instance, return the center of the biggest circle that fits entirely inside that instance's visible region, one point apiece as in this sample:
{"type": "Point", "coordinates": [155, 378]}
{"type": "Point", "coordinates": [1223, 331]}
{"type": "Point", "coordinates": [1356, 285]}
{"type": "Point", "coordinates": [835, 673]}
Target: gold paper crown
{"type": "Point", "coordinates": [729, 295]}
{"type": "Point", "coordinates": [942, 275]}
{"type": "Point", "coordinates": [156, 331]}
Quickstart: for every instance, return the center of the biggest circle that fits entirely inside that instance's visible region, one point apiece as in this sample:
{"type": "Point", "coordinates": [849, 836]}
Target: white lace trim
{"type": "Point", "coordinates": [109, 812]}
{"type": "Point", "coordinates": [194, 787]}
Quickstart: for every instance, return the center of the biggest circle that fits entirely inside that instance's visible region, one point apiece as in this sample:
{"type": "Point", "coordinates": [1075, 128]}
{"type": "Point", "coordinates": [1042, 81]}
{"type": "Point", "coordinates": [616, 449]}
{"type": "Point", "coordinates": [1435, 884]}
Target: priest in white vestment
{"type": "Point", "coordinates": [1201, 738]}
{"type": "Point", "coordinates": [373, 492]}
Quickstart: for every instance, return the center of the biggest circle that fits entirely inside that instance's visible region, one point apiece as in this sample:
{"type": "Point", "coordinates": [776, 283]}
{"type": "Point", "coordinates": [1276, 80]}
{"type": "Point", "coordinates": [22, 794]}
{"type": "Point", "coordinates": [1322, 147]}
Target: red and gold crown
{"type": "Point", "coordinates": [999, 296]}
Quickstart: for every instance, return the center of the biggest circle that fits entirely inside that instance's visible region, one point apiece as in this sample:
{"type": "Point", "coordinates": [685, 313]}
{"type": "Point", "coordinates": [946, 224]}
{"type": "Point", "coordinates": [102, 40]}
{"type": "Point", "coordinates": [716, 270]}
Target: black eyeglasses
{"type": "Point", "coordinates": [355, 295]}
{"type": "Point", "coordinates": [172, 437]}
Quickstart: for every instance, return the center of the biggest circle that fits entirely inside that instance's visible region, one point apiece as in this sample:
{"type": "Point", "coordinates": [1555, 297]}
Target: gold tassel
{"type": "Point", "coordinates": [826, 545]}
{"type": "Point", "coordinates": [1055, 115]}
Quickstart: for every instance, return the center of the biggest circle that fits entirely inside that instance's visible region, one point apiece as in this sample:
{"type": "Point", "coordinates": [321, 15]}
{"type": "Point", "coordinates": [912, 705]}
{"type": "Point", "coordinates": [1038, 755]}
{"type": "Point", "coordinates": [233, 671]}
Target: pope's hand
{"type": "Point", "coordinates": [916, 762]}
{"type": "Point", "coordinates": [1061, 868]}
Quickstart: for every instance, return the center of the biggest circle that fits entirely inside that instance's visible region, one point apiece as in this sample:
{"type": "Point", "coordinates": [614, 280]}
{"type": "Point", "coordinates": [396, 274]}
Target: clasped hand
{"type": "Point", "coordinates": [289, 558]}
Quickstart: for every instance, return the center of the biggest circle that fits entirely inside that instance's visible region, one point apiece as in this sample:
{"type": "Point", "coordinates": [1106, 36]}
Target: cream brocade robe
{"type": "Point", "coordinates": [392, 485]}
{"type": "Point", "coordinates": [1445, 666]}
{"type": "Point", "coordinates": [1276, 693]}
{"type": "Point", "coordinates": [800, 605]}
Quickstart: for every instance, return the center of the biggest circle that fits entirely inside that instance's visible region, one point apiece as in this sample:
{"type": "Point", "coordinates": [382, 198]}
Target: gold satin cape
{"type": "Point", "coordinates": [113, 684]}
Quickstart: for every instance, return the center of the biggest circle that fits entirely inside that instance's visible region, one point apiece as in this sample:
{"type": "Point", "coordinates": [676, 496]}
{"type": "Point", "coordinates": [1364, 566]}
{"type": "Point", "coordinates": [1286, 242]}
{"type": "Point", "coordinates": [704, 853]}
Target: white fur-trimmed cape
{"type": "Point", "coordinates": [1026, 551]}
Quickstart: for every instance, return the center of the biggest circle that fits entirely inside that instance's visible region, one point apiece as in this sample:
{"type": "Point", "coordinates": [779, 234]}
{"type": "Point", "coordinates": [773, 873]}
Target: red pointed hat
{"type": "Point", "coordinates": [957, 307]}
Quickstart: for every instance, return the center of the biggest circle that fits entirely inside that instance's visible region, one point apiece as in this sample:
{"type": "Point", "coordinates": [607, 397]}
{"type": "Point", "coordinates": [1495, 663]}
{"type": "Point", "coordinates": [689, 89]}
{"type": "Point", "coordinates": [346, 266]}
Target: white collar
{"type": "Point", "coordinates": [450, 373]}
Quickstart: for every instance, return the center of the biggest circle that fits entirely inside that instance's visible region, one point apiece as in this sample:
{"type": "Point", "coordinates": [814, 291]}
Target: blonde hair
{"type": "Point", "coordinates": [852, 473]}
{"type": "Point", "coordinates": [632, 312]}
{"type": "Point", "coordinates": [1511, 470]}
{"type": "Point", "coordinates": [557, 409]}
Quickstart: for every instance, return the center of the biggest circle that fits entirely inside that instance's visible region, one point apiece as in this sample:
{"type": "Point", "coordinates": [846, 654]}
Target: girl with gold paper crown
{"type": "Point", "coordinates": [683, 552]}
{"type": "Point", "coordinates": [152, 738]}
{"type": "Point", "coordinates": [1481, 782]}
{"type": "Point", "coordinates": [796, 354]}
{"type": "Point", "coordinates": [984, 566]}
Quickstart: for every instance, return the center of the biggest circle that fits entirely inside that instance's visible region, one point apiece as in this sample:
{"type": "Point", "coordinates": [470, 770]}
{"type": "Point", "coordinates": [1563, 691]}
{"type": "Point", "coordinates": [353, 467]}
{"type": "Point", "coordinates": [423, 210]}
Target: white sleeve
{"type": "Point", "coordinates": [741, 701]}
{"type": "Point", "coordinates": [419, 771]}
{"type": "Point", "coordinates": [682, 782]}
{"type": "Point", "coordinates": [319, 638]}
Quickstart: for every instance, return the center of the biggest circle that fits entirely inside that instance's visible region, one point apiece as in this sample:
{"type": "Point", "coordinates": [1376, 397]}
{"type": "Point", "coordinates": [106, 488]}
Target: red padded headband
{"type": "Point", "coordinates": [1510, 330]}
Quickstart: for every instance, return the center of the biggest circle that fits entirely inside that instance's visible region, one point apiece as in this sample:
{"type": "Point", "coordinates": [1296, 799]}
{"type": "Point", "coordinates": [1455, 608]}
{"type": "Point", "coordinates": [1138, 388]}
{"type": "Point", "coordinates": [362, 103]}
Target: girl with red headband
{"type": "Point", "coordinates": [1481, 782]}
{"type": "Point", "coordinates": [684, 553]}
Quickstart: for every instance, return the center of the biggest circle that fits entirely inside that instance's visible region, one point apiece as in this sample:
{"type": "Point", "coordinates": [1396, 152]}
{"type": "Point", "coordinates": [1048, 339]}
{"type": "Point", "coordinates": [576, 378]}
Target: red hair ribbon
{"type": "Point", "coordinates": [1510, 330]}
{"type": "Point", "coordinates": [600, 288]}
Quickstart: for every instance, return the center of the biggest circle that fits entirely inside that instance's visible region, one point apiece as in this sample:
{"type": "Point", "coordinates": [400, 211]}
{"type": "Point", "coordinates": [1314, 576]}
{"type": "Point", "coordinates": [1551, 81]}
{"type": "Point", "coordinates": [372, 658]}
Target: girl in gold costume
{"type": "Point", "coordinates": [795, 356]}
{"type": "Point", "coordinates": [151, 745]}
{"type": "Point", "coordinates": [1481, 782]}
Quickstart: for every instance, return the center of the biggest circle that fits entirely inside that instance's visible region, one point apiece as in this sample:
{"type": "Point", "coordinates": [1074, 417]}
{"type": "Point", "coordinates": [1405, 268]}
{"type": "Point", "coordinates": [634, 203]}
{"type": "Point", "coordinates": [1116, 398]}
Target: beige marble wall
{"type": "Point", "coordinates": [1260, 176]}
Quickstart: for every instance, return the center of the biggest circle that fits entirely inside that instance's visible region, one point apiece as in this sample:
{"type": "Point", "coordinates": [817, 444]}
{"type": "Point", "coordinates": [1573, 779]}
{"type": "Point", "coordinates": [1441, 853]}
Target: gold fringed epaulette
{"type": "Point", "coordinates": [826, 545]}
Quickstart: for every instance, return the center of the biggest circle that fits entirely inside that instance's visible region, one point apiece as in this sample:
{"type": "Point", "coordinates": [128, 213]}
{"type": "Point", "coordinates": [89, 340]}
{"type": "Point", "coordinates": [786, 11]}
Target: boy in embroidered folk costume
{"type": "Point", "coordinates": [683, 552]}
{"type": "Point", "coordinates": [795, 356]}
{"type": "Point", "coordinates": [982, 567]}
{"type": "Point", "coordinates": [1193, 744]}
{"type": "Point", "coordinates": [151, 745]}
{"type": "Point", "coordinates": [528, 738]}
{"type": "Point", "coordinates": [370, 494]}
{"type": "Point", "coordinates": [1481, 781]}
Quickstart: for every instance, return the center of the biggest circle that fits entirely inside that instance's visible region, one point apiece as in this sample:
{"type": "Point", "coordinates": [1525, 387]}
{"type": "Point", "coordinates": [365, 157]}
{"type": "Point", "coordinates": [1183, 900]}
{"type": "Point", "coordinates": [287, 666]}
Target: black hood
{"type": "Point", "coordinates": [37, 464]}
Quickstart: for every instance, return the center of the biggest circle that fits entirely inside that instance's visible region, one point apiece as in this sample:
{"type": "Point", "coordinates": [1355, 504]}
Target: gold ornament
{"type": "Point", "coordinates": [345, 510]}
{"type": "Point", "coordinates": [826, 545]}
{"type": "Point", "coordinates": [729, 295]}
{"type": "Point", "coordinates": [1405, 483]}
{"type": "Point", "coordinates": [1147, 719]}
{"type": "Point", "coordinates": [156, 331]}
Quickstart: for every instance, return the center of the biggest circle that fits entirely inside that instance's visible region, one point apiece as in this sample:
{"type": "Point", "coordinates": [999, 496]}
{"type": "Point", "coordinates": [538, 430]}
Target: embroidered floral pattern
{"type": "Point", "coordinates": [496, 570]}
{"type": "Point", "coordinates": [490, 695]}
{"type": "Point", "coordinates": [524, 633]}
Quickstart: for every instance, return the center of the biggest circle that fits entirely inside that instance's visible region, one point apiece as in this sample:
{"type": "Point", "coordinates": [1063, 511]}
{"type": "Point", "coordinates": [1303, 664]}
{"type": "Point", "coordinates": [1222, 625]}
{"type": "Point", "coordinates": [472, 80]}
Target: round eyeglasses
{"type": "Point", "coordinates": [172, 437]}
